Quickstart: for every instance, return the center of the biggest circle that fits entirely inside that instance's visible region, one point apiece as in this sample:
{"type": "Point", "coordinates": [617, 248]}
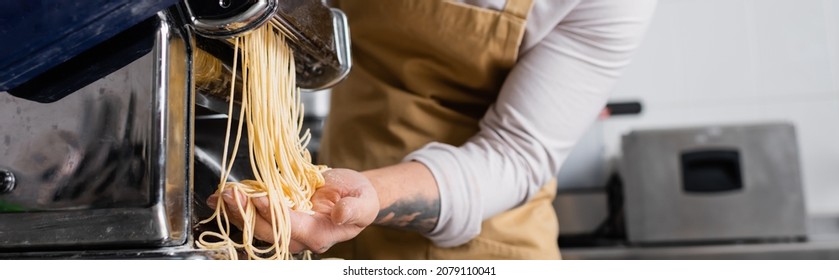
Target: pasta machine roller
{"type": "Point", "coordinates": [319, 39]}
{"type": "Point", "coordinates": [319, 35]}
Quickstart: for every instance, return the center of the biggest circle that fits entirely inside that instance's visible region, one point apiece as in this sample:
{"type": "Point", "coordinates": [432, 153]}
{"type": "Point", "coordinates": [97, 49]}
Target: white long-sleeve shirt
{"type": "Point", "coordinates": [572, 53]}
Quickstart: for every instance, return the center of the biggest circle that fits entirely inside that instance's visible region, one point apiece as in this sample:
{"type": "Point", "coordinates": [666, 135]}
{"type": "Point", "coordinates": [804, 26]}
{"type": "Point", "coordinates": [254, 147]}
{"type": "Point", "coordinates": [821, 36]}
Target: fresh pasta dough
{"type": "Point", "coordinates": [272, 111]}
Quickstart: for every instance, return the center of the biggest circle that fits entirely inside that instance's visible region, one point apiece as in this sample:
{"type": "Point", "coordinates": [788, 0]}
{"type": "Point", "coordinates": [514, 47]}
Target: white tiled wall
{"type": "Point", "coordinates": [736, 61]}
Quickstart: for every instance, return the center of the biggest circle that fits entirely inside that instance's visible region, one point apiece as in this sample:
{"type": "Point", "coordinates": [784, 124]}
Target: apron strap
{"type": "Point", "coordinates": [518, 8]}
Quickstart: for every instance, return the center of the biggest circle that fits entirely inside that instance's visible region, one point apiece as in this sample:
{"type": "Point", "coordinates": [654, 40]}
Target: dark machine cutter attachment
{"type": "Point", "coordinates": [319, 35]}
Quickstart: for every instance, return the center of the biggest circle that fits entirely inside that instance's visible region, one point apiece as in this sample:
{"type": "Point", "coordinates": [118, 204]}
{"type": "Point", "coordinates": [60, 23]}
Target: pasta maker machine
{"type": "Point", "coordinates": [103, 153]}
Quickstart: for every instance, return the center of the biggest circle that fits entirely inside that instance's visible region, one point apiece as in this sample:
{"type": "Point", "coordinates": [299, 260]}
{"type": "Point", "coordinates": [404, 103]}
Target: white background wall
{"type": "Point", "coordinates": [740, 61]}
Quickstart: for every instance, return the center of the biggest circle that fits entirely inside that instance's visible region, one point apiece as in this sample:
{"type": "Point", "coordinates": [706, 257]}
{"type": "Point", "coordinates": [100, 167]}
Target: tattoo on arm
{"type": "Point", "coordinates": [417, 214]}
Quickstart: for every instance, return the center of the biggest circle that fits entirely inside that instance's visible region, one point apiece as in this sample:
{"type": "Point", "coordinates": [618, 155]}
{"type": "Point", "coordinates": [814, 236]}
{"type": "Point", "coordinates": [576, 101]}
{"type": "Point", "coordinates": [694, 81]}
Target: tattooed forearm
{"type": "Point", "coordinates": [417, 214]}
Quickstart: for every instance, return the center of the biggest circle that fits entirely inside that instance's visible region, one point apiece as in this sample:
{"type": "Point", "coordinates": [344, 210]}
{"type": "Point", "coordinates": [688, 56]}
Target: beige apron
{"type": "Point", "coordinates": [428, 70]}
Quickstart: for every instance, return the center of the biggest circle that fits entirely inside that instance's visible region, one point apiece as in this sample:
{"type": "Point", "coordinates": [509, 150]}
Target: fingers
{"type": "Point", "coordinates": [350, 211]}
{"type": "Point", "coordinates": [233, 205]}
{"type": "Point", "coordinates": [342, 208]}
{"type": "Point", "coordinates": [227, 195]}
{"type": "Point", "coordinates": [212, 200]}
{"type": "Point", "coordinates": [296, 247]}
{"type": "Point", "coordinates": [307, 231]}
{"type": "Point", "coordinates": [301, 223]}
{"type": "Point", "coordinates": [262, 207]}
{"type": "Point", "coordinates": [263, 229]}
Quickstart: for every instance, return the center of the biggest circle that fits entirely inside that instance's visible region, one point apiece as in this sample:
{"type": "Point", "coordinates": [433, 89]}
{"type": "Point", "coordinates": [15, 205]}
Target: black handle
{"type": "Point", "coordinates": [624, 108]}
{"type": "Point", "coordinates": [711, 171]}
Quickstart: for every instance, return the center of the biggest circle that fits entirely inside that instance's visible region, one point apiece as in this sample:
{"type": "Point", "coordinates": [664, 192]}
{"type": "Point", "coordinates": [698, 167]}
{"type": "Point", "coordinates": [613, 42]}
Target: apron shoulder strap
{"type": "Point", "coordinates": [518, 8]}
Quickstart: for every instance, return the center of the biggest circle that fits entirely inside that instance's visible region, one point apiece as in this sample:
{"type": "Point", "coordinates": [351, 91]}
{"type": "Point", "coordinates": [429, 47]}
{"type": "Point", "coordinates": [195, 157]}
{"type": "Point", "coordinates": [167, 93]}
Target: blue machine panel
{"type": "Point", "coordinates": [36, 35]}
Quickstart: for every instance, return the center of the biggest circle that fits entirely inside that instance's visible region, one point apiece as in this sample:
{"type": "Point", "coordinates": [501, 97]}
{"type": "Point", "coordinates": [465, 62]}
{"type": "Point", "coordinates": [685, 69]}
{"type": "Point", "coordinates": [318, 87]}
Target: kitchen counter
{"type": "Point", "coordinates": [822, 243]}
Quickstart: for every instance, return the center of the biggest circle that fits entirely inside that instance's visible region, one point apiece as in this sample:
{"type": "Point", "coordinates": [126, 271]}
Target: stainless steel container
{"type": "Point", "coordinates": [713, 184]}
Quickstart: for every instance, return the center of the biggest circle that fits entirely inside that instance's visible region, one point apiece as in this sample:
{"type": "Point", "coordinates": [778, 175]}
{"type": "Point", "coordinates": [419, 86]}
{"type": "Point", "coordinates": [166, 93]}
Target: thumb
{"type": "Point", "coordinates": [262, 207]}
{"type": "Point", "coordinates": [352, 211]}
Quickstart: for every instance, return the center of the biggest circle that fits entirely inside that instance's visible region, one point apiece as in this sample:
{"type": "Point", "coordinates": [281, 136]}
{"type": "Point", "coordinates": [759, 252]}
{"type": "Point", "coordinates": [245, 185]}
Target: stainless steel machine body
{"type": "Point", "coordinates": [108, 164]}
